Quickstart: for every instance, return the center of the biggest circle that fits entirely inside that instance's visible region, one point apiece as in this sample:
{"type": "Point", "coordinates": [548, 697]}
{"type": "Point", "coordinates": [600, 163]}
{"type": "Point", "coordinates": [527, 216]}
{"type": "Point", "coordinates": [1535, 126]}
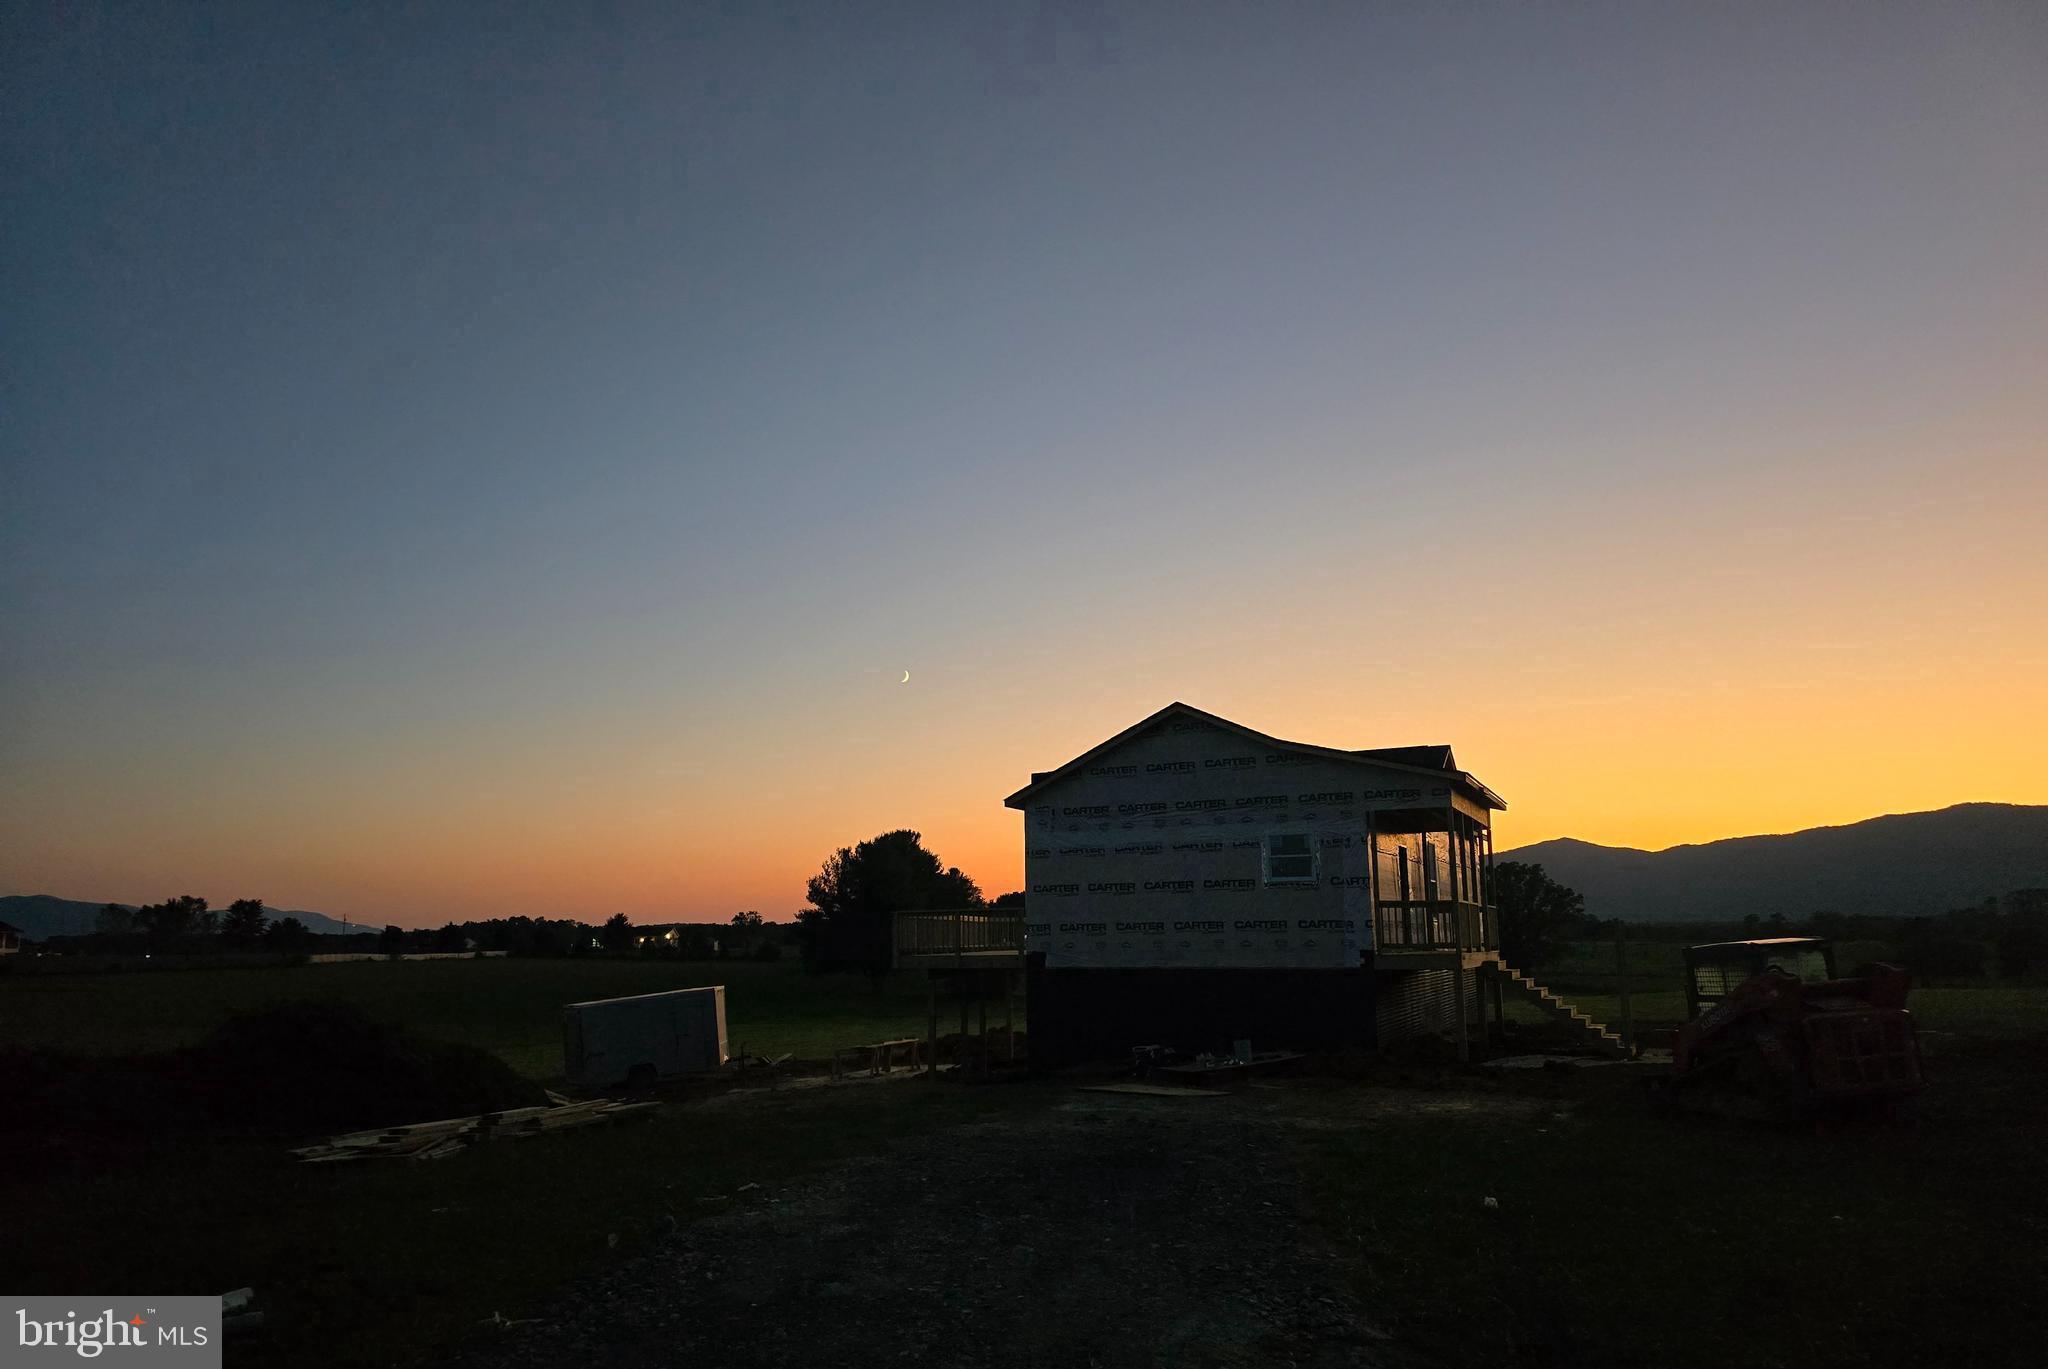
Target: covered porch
{"type": "Point", "coordinates": [1432, 882]}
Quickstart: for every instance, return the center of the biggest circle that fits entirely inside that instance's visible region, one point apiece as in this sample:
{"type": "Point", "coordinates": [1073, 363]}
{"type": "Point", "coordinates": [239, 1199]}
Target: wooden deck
{"type": "Point", "coordinates": [958, 939]}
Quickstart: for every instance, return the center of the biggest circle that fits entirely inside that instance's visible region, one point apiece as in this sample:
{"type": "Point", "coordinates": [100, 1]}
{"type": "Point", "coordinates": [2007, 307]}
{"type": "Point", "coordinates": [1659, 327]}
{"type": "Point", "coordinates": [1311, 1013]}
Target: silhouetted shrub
{"type": "Point", "coordinates": [2022, 947]}
{"type": "Point", "coordinates": [1944, 957]}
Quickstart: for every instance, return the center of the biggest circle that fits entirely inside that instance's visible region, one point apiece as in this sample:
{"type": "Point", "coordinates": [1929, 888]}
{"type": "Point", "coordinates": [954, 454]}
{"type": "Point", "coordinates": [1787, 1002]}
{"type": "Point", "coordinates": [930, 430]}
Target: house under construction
{"type": "Point", "coordinates": [1191, 881]}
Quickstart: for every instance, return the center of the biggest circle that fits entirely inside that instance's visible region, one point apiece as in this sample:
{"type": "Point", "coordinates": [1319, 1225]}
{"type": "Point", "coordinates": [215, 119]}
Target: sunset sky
{"type": "Point", "coordinates": [449, 472]}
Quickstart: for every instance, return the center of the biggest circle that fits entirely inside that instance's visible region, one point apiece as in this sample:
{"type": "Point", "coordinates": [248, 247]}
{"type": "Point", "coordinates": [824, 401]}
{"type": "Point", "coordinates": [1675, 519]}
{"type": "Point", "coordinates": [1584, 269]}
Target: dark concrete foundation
{"type": "Point", "coordinates": [1100, 1014]}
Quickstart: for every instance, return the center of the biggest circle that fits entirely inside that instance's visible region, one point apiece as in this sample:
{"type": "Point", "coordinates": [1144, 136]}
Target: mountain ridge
{"type": "Point", "coordinates": [42, 916]}
{"type": "Point", "coordinates": [1895, 864]}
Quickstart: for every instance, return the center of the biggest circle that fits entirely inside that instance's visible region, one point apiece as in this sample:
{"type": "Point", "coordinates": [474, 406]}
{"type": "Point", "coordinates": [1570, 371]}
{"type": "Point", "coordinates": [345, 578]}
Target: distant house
{"type": "Point", "coordinates": [681, 938]}
{"type": "Point", "coordinates": [1191, 881]}
{"type": "Point", "coordinates": [10, 939]}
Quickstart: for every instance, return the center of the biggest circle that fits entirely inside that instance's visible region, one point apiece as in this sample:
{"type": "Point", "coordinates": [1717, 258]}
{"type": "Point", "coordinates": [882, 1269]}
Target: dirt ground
{"type": "Point", "coordinates": [1104, 1229]}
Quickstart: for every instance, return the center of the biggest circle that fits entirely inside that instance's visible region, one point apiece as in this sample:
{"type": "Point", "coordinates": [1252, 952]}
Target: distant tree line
{"type": "Point", "coordinates": [2006, 936]}
{"type": "Point", "coordinates": [188, 925]}
{"type": "Point", "coordinates": [745, 935]}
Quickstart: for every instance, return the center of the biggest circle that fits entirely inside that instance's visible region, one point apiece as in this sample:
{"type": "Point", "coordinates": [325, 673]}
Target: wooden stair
{"type": "Point", "coordinates": [1592, 1033]}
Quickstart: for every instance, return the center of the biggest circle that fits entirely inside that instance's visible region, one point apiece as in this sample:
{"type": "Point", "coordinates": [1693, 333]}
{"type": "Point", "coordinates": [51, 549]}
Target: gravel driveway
{"type": "Point", "coordinates": [1103, 1229]}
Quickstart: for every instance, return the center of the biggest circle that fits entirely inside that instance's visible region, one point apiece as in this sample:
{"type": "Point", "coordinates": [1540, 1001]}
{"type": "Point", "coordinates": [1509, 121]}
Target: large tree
{"type": "Point", "coordinates": [855, 895]}
{"type": "Point", "coordinates": [174, 919]}
{"type": "Point", "coordinates": [1536, 912]}
{"type": "Point", "coordinates": [243, 924]}
{"type": "Point", "coordinates": [290, 934]}
{"type": "Point", "coordinates": [745, 935]}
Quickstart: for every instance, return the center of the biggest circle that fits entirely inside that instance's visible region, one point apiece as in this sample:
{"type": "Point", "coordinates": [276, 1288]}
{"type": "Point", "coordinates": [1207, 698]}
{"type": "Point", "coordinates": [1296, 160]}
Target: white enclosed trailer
{"type": "Point", "coordinates": [646, 1037]}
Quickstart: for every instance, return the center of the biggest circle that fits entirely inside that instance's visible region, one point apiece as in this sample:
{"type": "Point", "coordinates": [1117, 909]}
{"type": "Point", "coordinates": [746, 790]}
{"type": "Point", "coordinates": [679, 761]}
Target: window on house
{"type": "Point", "coordinates": [1290, 858]}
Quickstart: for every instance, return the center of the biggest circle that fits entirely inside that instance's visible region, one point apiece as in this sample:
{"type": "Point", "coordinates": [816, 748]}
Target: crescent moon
{"type": "Point", "coordinates": [905, 679]}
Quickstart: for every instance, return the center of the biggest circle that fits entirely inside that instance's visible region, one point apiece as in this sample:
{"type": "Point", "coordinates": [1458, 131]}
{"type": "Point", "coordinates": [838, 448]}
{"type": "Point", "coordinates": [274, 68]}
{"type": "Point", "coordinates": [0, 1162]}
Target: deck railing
{"type": "Point", "coordinates": [958, 934]}
{"type": "Point", "coordinates": [1435, 925]}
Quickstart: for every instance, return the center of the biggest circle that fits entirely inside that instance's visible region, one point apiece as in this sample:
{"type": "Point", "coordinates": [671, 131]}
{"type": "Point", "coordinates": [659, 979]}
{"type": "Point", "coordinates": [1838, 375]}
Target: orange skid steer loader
{"type": "Point", "coordinates": [1775, 1035]}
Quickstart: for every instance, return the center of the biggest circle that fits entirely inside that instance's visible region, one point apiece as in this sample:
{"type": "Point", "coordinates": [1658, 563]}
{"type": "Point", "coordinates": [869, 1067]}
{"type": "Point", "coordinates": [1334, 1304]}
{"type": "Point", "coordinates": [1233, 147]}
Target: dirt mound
{"type": "Point", "coordinates": [295, 1069]}
{"type": "Point", "coordinates": [310, 1066]}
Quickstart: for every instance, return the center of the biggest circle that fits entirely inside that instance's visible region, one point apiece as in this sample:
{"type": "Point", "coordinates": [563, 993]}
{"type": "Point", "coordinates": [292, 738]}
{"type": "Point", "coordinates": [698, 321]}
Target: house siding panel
{"type": "Point", "coordinates": [1152, 856]}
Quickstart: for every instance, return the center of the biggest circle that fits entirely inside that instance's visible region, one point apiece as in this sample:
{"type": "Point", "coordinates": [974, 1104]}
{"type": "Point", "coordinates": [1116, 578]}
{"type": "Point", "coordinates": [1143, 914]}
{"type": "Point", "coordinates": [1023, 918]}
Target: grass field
{"type": "Point", "coordinates": [1620, 1237]}
{"type": "Point", "coordinates": [1583, 972]}
{"type": "Point", "coordinates": [509, 1007]}
{"type": "Point", "coordinates": [1623, 1238]}
{"type": "Point", "coordinates": [512, 1008]}
{"type": "Point", "coordinates": [1999, 1011]}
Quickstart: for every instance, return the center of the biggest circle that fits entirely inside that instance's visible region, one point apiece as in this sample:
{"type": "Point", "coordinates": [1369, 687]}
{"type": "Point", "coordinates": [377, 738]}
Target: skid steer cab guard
{"type": "Point", "coordinates": [1713, 972]}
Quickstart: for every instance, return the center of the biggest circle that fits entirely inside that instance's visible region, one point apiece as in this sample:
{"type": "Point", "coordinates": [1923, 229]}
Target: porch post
{"type": "Point", "coordinates": [1486, 883]}
{"type": "Point", "coordinates": [1010, 1015]}
{"type": "Point", "coordinates": [1451, 859]}
{"type": "Point", "coordinates": [1628, 1018]}
{"type": "Point", "coordinates": [981, 1023]}
{"type": "Point", "coordinates": [1464, 1017]}
{"type": "Point", "coordinates": [965, 981]}
{"type": "Point", "coordinates": [1372, 883]}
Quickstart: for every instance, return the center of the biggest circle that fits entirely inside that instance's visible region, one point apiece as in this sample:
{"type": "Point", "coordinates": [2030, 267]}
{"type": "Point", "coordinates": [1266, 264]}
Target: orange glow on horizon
{"type": "Point", "coordinates": [1650, 765]}
{"type": "Point", "coordinates": [1644, 669]}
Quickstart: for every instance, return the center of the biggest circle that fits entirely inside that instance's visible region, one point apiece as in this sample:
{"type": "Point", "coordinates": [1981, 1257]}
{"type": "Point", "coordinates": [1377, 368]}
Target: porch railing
{"type": "Point", "coordinates": [1435, 925]}
{"type": "Point", "coordinates": [968, 933]}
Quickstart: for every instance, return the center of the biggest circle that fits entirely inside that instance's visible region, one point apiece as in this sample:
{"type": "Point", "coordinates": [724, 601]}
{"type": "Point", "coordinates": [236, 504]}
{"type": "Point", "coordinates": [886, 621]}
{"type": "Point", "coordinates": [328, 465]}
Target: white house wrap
{"type": "Point", "coordinates": [1191, 843]}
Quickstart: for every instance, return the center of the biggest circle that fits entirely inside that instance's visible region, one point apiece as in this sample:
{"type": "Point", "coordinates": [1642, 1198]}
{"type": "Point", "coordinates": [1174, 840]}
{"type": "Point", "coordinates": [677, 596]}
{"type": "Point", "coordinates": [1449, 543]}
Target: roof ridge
{"type": "Point", "coordinates": [1446, 765]}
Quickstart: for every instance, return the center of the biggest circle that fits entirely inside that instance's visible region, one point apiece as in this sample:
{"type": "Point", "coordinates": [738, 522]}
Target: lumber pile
{"type": "Point", "coordinates": [438, 1140]}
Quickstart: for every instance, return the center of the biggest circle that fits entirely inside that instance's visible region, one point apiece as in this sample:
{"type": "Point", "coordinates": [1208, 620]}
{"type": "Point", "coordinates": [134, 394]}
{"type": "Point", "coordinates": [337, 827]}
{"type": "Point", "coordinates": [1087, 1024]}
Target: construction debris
{"type": "Point", "coordinates": [877, 1057]}
{"type": "Point", "coordinates": [438, 1140]}
{"type": "Point", "coordinates": [1155, 1090]}
{"type": "Point", "coordinates": [238, 1311]}
{"type": "Point", "coordinates": [1207, 1069]}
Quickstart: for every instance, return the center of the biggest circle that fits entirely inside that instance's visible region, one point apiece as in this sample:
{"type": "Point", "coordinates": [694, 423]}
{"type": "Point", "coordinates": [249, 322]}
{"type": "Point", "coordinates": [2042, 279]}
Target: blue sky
{"type": "Point", "coordinates": [443, 427]}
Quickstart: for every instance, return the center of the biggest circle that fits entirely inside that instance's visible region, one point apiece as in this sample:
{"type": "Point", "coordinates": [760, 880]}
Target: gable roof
{"type": "Point", "coordinates": [1435, 760]}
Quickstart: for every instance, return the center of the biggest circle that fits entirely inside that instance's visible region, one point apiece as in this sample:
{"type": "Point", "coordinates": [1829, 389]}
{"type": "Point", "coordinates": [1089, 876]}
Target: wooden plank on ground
{"type": "Point", "coordinates": [438, 1140]}
{"type": "Point", "coordinates": [1155, 1090]}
